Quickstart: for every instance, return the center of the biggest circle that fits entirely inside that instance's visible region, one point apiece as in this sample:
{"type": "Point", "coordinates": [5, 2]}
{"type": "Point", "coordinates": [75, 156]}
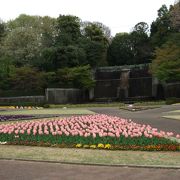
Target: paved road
{"type": "Point", "coordinates": [21, 170]}
{"type": "Point", "coordinates": [151, 116]}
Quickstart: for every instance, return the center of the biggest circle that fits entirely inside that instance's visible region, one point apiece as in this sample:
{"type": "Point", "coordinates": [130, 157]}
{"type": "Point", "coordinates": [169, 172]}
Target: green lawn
{"type": "Point", "coordinates": [177, 117]}
{"type": "Point", "coordinates": [58, 111]}
{"type": "Point", "coordinates": [175, 111]}
{"type": "Point", "coordinates": [90, 156]}
{"type": "Point", "coordinates": [115, 104]}
{"type": "Point", "coordinates": [172, 115]}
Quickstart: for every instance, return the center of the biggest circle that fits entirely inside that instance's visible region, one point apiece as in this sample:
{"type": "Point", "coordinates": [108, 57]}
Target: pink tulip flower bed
{"type": "Point", "coordinates": [90, 131]}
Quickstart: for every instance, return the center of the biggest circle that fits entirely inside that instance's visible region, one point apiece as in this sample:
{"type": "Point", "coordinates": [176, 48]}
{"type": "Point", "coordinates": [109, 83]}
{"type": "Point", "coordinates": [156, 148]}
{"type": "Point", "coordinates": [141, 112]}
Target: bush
{"type": "Point", "coordinates": [27, 78]}
{"type": "Point", "coordinates": [172, 100]}
{"type": "Point", "coordinates": [77, 77]}
{"type": "Point", "coordinates": [46, 106]}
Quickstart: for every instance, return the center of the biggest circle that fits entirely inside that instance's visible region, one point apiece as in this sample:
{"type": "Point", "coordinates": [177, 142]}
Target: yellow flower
{"type": "Point", "coordinates": [93, 146]}
{"type": "Point", "coordinates": [100, 145]}
{"type": "Point", "coordinates": [78, 145]}
{"type": "Point", "coordinates": [107, 146]}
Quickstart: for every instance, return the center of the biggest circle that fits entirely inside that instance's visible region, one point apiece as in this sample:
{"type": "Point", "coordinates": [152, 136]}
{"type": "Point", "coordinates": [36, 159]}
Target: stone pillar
{"type": "Point", "coordinates": [155, 83]}
{"type": "Point", "coordinates": [91, 94]}
{"type": "Point", "coordinates": [124, 84]}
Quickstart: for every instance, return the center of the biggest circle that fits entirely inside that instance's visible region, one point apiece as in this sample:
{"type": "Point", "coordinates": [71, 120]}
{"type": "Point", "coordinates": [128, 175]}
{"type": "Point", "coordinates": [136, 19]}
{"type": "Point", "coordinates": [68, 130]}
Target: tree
{"type": "Point", "coordinates": [141, 28]}
{"type": "Point", "coordinates": [6, 70]}
{"type": "Point", "coordinates": [121, 50]}
{"type": "Point", "coordinates": [26, 79]}
{"type": "Point", "coordinates": [97, 32]}
{"type": "Point", "coordinates": [77, 77]}
{"type": "Point", "coordinates": [69, 56]}
{"type": "Point", "coordinates": [166, 65]}
{"type": "Point", "coordinates": [26, 37]}
{"type": "Point", "coordinates": [68, 28]}
{"type": "Point", "coordinates": [22, 45]}
{"type": "Point", "coordinates": [48, 59]}
{"type": "Point", "coordinates": [98, 37]}
{"type": "Point", "coordinates": [95, 54]}
{"type": "Point", "coordinates": [141, 43]}
{"type": "Point", "coordinates": [161, 28]}
{"type": "Point", "coordinates": [175, 16]}
{"type": "Point", "coordinates": [2, 29]}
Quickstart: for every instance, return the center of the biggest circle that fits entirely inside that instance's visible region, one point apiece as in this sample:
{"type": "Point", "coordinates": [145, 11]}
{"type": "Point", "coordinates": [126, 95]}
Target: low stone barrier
{"type": "Point", "coordinates": [21, 99]}
{"type": "Point", "coordinates": [63, 96]}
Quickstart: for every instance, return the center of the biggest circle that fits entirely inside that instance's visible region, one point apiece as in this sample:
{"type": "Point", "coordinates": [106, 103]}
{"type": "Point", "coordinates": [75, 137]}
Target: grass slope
{"type": "Point", "coordinates": [90, 156]}
{"type": "Point", "coordinates": [57, 111]}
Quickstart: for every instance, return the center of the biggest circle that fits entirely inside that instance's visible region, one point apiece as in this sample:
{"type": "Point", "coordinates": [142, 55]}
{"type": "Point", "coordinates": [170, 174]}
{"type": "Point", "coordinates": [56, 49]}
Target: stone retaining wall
{"type": "Point", "coordinates": [21, 99]}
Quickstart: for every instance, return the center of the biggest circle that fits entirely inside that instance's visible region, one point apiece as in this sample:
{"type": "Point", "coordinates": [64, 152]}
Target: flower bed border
{"type": "Point", "coordinates": [160, 147]}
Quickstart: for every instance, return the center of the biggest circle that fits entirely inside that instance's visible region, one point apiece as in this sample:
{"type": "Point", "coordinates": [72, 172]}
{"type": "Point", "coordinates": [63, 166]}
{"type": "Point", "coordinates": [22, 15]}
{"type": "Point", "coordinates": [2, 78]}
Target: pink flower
{"type": "Point", "coordinates": [94, 135]}
{"type": "Point", "coordinates": [21, 131]}
{"type": "Point", "coordinates": [59, 133]}
{"type": "Point", "coordinates": [46, 132]}
{"type": "Point", "coordinates": [169, 134]}
{"type": "Point", "coordinates": [117, 134]}
{"type": "Point", "coordinates": [111, 134]}
{"type": "Point", "coordinates": [54, 133]}
{"type": "Point", "coordinates": [126, 135]}
{"type": "Point", "coordinates": [178, 136]}
{"type": "Point", "coordinates": [16, 131]}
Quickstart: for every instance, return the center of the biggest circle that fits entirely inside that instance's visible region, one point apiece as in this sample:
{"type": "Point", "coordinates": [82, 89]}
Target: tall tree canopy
{"type": "Point", "coordinates": [26, 37]}
{"type": "Point", "coordinates": [166, 65]}
{"type": "Point", "coordinates": [175, 16]}
{"type": "Point", "coordinates": [121, 50]}
{"type": "Point", "coordinates": [161, 27]}
{"type": "Point", "coordinates": [132, 48]}
{"type": "Point", "coordinates": [166, 40]}
{"type": "Point", "coordinates": [68, 28]}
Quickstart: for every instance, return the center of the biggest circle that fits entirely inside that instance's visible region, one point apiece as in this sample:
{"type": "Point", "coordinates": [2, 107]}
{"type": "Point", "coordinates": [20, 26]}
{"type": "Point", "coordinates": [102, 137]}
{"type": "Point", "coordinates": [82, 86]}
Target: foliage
{"type": "Point", "coordinates": [48, 58]}
{"type": "Point", "coordinates": [46, 44]}
{"type": "Point", "coordinates": [132, 48]}
{"type": "Point", "coordinates": [94, 32]}
{"type": "Point", "coordinates": [141, 43]}
{"type": "Point", "coordinates": [161, 27]}
{"type": "Point", "coordinates": [120, 51]}
{"type": "Point", "coordinates": [2, 29]}
{"type": "Point", "coordinates": [69, 56]}
{"type": "Point", "coordinates": [141, 28]}
{"type": "Point", "coordinates": [172, 100]}
{"type": "Point", "coordinates": [77, 77]}
{"type": "Point", "coordinates": [50, 79]}
{"type": "Point", "coordinates": [26, 78]}
{"type": "Point", "coordinates": [175, 16]}
{"type": "Point", "coordinates": [166, 65]}
{"type": "Point", "coordinates": [95, 54]}
{"type": "Point", "coordinates": [26, 36]}
{"type": "Point", "coordinates": [68, 28]}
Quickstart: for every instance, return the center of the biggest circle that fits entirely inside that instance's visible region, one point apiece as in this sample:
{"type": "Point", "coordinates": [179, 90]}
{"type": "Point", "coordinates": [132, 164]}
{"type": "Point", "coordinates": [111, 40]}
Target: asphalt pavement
{"type": "Point", "coordinates": [26, 170]}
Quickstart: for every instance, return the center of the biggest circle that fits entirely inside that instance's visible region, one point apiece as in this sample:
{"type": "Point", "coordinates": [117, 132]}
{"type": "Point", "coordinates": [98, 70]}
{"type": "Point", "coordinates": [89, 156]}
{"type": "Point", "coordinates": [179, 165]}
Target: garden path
{"type": "Point", "coordinates": [26, 170]}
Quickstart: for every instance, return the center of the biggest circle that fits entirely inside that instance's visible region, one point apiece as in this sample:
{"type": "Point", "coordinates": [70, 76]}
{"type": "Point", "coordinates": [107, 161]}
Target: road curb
{"type": "Point", "coordinates": [95, 164]}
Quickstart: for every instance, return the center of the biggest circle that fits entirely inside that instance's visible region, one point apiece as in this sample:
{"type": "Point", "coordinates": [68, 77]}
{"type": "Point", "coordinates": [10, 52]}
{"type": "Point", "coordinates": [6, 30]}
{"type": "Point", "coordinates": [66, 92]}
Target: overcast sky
{"type": "Point", "coordinates": [118, 15]}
